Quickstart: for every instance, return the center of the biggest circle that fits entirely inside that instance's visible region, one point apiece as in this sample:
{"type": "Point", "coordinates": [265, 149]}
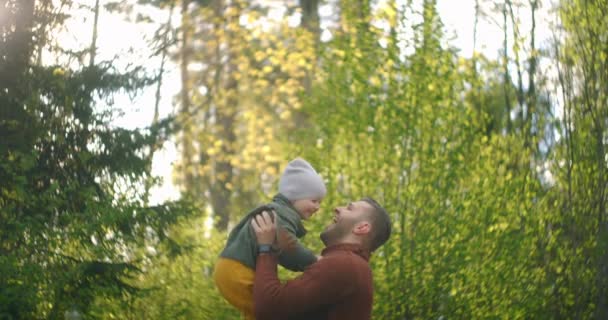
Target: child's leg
{"type": "Point", "coordinates": [235, 282]}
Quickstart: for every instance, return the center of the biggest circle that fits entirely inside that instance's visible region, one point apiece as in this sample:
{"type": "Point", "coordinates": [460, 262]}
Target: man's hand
{"type": "Point", "coordinates": [265, 227]}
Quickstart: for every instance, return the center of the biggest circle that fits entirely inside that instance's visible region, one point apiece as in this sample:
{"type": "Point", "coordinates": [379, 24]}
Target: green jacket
{"type": "Point", "coordinates": [242, 244]}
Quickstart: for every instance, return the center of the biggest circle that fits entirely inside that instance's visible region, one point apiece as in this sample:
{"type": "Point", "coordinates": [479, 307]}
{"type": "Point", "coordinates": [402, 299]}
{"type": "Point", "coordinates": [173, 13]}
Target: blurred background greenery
{"type": "Point", "coordinates": [492, 165]}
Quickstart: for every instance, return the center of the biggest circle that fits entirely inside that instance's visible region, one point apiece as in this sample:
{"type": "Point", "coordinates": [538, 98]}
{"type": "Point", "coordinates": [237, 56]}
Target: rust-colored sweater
{"type": "Point", "coordinates": [337, 287]}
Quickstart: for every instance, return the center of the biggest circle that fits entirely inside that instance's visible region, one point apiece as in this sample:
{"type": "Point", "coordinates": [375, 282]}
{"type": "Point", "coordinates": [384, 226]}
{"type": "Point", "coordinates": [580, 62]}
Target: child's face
{"type": "Point", "coordinates": [307, 207]}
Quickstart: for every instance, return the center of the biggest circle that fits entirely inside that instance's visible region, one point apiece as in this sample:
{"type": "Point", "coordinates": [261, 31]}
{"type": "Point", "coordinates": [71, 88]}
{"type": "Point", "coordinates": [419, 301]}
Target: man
{"type": "Point", "coordinates": [338, 286]}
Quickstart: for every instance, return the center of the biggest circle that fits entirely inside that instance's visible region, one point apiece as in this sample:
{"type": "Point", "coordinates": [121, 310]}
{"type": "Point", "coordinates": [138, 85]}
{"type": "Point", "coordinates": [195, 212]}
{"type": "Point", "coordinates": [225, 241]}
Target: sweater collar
{"type": "Point", "coordinates": [352, 247]}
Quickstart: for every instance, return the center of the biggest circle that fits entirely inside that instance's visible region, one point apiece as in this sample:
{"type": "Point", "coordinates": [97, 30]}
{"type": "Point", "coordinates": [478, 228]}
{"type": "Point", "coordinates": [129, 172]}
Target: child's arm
{"type": "Point", "coordinates": [297, 257]}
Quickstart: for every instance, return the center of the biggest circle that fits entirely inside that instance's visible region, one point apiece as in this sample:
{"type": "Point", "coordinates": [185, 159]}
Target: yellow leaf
{"type": "Point", "coordinates": [374, 81]}
{"type": "Point", "coordinates": [285, 115]}
{"type": "Point", "coordinates": [58, 72]}
{"type": "Point", "coordinates": [390, 12]}
{"type": "Point", "coordinates": [259, 56]}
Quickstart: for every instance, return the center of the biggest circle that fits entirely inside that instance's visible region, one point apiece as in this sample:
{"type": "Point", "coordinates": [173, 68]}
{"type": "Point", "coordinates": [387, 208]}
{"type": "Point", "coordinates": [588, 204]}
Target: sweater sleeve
{"type": "Point", "coordinates": [299, 257]}
{"type": "Point", "coordinates": [324, 283]}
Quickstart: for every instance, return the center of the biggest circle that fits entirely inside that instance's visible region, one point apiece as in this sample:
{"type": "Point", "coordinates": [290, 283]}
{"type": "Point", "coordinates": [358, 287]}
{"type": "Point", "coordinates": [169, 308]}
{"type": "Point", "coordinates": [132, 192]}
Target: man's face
{"type": "Point", "coordinates": [345, 220]}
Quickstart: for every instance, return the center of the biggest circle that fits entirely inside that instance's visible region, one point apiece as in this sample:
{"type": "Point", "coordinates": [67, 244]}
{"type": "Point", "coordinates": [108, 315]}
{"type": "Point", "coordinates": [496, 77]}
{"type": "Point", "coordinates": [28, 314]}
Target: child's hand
{"type": "Point", "coordinates": [264, 226]}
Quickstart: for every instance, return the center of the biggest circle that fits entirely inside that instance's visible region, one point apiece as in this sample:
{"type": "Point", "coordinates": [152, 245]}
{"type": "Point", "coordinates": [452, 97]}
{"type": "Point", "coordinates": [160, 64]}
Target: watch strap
{"type": "Point", "coordinates": [264, 248]}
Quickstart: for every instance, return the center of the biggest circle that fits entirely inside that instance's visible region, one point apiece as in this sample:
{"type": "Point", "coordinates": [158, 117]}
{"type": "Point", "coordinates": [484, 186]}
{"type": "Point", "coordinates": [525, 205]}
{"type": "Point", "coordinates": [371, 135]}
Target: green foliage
{"type": "Point", "coordinates": [178, 284]}
{"type": "Point", "coordinates": [498, 201]}
{"type": "Point", "coordinates": [579, 264]}
{"type": "Point", "coordinates": [476, 222]}
{"type": "Point", "coordinates": [71, 212]}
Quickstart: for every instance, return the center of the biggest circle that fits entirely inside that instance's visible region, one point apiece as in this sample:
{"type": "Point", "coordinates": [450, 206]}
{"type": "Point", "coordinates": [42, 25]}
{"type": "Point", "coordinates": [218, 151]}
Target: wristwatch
{"type": "Point", "coordinates": [264, 248]}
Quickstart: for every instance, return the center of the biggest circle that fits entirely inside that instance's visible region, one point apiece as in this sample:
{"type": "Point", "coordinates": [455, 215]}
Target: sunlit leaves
{"type": "Point", "coordinates": [253, 74]}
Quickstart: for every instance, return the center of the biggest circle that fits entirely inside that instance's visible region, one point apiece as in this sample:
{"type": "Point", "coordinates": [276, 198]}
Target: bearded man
{"type": "Point", "coordinates": [338, 286]}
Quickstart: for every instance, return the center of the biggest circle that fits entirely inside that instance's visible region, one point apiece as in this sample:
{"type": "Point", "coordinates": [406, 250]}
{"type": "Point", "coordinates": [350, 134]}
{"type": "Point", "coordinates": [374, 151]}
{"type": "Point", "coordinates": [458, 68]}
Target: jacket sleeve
{"type": "Point", "coordinates": [299, 257]}
{"type": "Point", "coordinates": [326, 282]}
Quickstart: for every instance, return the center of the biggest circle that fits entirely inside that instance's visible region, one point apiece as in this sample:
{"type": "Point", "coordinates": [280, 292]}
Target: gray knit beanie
{"type": "Point", "coordinates": [301, 181]}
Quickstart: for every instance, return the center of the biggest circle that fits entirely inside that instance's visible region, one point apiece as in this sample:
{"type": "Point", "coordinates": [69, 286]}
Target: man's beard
{"type": "Point", "coordinates": [333, 233]}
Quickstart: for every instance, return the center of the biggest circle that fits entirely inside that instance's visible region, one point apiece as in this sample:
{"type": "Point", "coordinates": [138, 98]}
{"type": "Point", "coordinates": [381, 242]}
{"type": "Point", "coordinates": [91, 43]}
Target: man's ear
{"type": "Point", "coordinates": [362, 228]}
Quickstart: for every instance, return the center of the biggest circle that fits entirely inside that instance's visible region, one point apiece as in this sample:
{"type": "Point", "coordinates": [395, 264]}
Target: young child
{"type": "Point", "coordinates": [301, 190]}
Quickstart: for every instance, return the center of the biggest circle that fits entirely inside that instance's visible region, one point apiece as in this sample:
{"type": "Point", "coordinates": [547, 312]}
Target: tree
{"type": "Point", "coordinates": [581, 53]}
{"type": "Point", "coordinates": [71, 211]}
{"type": "Point", "coordinates": [245, 93]}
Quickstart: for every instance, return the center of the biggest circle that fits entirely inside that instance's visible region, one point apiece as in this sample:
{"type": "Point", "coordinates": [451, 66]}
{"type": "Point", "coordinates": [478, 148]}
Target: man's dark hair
{"type": "Point", "coordinates": [381, 224]}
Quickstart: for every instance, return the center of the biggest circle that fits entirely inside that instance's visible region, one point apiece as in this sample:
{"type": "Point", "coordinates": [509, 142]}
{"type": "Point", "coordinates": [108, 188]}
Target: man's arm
{"type": "Point", "coordinates": [323, 283]}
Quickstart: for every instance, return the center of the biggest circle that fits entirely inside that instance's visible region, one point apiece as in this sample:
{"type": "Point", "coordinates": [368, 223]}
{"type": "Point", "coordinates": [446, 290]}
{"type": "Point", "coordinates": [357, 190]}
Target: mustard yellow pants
{"type": "Point", "coordinates": [234, 280]}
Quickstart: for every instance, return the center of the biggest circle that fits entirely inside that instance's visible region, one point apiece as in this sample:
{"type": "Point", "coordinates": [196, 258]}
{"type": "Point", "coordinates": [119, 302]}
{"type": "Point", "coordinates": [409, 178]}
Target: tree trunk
{"type": "Point", "coordinates": [225, 120]}
{"type": "Point", "coordinates": [17, 42]}
{"type": "Point", "coordinates": [310, 18]}
{"type": "Point", "coordinates": [530, 134]}
{"type": "Point", "coordinates": [310, 22]}
{"type": "Point", "coordinates": [520, 86]}
{"type": "Point", "coordinates": [506, 75]}
{"type": "Point", "coordinates": [93, 49]}
{"type": "Point", "coordinates": [186, 138]}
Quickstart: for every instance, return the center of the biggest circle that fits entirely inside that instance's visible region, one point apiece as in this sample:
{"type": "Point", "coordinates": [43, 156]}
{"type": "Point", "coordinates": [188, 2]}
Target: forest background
{"type": "Point", "coordinates": [491, 160]}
